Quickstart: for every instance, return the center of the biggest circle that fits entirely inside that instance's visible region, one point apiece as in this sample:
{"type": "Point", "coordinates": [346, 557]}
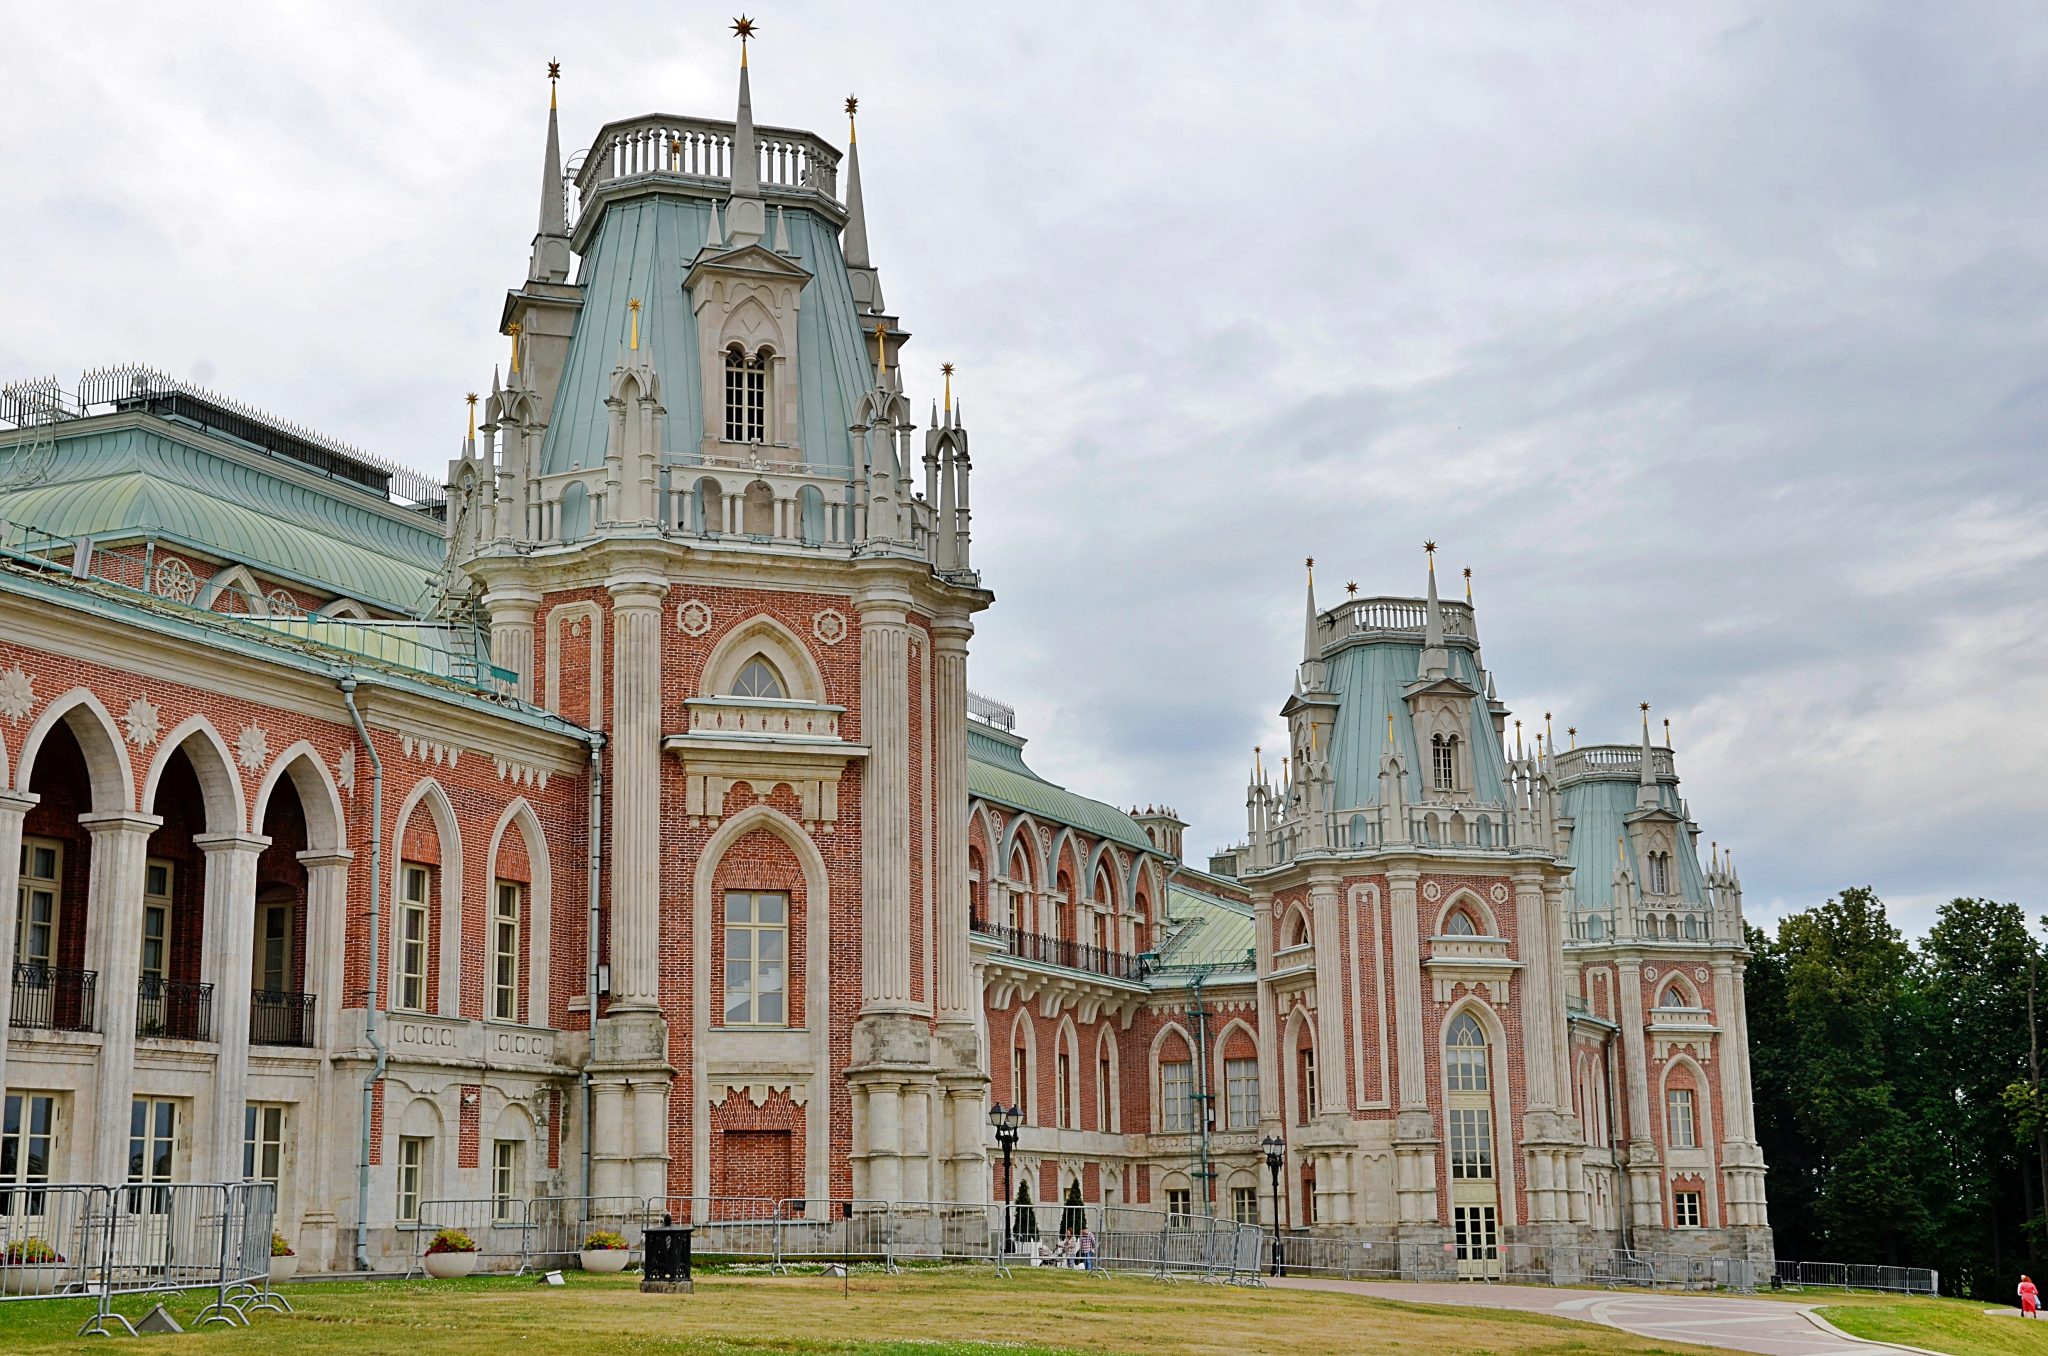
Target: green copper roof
{"type": "Point", "coordinates": [116, 482]}
{"type": "Point", "coordinates": [1207, 930]}
{"type": "Point", "coordinates": [643, 248]}
{"type": "Point", "coordinates": [996, 771]}
{"type": "Point", "coordinates": [1369, 681]}
{"type": "Point", "coordinates": [1599, 807]}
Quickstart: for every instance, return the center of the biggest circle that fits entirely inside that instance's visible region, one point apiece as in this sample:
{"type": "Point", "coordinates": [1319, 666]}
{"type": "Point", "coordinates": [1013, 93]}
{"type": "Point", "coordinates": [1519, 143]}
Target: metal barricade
{"type": "Point", "coordinates": [1856, 1276]}
{"type": "Point", "coordinates": [498, 1225]}
{"type": "Point", "coordinates": [558, 1226]}
{"type": "Point", "coordinates": [158, 1241]}
{"type": "Point", "coordinates": [834, 1230]}
{"type": "Point", "coordinates": [730, 1228]}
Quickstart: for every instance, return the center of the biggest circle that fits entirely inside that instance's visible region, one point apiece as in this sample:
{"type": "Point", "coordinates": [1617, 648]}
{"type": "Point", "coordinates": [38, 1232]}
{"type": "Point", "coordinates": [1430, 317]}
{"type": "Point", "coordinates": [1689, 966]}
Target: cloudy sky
{"type": "Point", "coordinates": [1713, 337]}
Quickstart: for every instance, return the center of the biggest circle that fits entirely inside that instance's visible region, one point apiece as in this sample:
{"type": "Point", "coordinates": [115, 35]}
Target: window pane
{"type": "Point", "coordinates": [739, 907]}
{"type": "Point", "coordinates": [769, 908]}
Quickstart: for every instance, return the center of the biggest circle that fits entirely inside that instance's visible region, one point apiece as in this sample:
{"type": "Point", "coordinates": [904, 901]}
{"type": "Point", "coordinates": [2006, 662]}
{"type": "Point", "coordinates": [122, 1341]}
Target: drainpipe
{"type": "Point", "coordinates": [591, 859]}
{"type": "Point", "coordinates": [377, 1067]}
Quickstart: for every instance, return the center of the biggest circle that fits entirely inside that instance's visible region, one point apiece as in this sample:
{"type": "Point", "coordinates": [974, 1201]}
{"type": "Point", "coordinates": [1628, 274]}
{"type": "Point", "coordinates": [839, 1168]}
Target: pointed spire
{"type": "Point", "coordinates": [1435, 663]}
{"type": "Point", "coordinates": [550, 261]}
{"type": "Point", "coordinates": [714, 238]}
{"type": "Point", "coordinates": [1468, 584]}
{"type": "Point", "coordinates": [746, 161]}
{"type": "Point", "coordinates": [853, 243]}
{"type": "Point", "coordinates": [1647, 797]}
{"type": "Point", "coordinates": [471, 400]}
{"type": "Point", "coordinates": [781, 231]}
{"type": "Point", "coordinates": [513, 329]}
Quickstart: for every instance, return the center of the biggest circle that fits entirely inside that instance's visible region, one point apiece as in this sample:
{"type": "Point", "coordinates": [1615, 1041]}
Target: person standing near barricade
{"type": "Point", "coordinates": [1086, 1245]}
{"type": "Point", "coordinates": [2030, 1298]}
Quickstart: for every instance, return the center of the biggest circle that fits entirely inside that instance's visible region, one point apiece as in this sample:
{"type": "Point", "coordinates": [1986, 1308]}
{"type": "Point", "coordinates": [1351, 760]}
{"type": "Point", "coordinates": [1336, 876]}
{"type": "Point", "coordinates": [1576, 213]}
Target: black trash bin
{"type": "Point", "coordinates": [667, 1268]}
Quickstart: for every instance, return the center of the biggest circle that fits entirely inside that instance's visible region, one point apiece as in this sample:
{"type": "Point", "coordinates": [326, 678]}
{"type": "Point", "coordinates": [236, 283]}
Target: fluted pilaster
{"type": "Point", "coordinates": [635, 747]}
{"type": "Point", "coordinates": [956, 997]}
{"type": "Point", "coordinates": [14, 808]}
{"type": "Point", "coordinates": [511, 611]}
{"type": "Point", "coordinates": [230, 928]}
{"type": "Point", "coordinates": [120, 848]}
{"type": "Point", "coordinates": [885, 807]}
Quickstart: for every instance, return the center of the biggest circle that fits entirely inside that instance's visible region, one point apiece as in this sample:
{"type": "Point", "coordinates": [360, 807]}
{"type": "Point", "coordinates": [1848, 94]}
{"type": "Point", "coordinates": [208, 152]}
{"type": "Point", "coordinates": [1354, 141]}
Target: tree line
{"type": "Point", "coordinates": [1897, 1089]}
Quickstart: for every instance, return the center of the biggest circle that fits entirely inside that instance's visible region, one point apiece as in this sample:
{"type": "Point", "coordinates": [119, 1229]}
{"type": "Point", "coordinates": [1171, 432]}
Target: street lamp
{"type": "Point", "coordinates": [1276, 1155]}
{"type": "Point", "coordinates": [1006, 1119]}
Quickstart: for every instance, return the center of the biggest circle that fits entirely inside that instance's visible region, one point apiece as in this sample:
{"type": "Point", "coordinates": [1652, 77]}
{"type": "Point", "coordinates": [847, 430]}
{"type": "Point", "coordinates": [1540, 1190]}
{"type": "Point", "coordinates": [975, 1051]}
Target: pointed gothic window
{"type": "Point", "coordinates": [1660, 873]}
{"type": "Point", "coordinates": [746, 396]}
{"type": "Point", "coordinates": [758, 679]}
{"type": "Point", "coordinates": [1443, 762]}
{"type": "Point", "coordinates": [1465, 1056]}
{"type": "Point", "coordinates": [1460, 924]}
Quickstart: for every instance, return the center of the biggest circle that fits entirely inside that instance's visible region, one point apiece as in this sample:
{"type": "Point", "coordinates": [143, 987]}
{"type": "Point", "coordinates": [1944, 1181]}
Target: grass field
{"type": "Point", "coordinates": [925, 1313]}
{"type": "Point", "coordinates": [1953, 1326]}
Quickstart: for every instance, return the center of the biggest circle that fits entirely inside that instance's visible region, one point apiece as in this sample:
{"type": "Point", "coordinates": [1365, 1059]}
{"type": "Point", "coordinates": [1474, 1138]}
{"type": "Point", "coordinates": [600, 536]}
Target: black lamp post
{"type": "Point", "coordinates": [1006, 1119]}
{"type": "Point", "coordinates": [1276, 1155]}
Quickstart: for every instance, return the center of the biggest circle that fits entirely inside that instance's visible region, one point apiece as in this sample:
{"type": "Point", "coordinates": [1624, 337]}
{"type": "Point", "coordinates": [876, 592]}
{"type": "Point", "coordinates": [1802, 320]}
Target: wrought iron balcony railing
{"type": "Point", "coordinates": [174, 1010]}
{"type": "Point", "coordinates": [47, 999]}
{"type": "Point", "coordinates": [279, 1017]}
{"type": "Point", "coordinates": [1036, 946]}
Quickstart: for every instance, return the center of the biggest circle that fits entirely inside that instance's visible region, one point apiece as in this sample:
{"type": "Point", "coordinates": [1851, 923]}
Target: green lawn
{"type": "Point", "coordinates": [1955, 1327]}
{"type": "Point", "coordinates": [950, 1312]}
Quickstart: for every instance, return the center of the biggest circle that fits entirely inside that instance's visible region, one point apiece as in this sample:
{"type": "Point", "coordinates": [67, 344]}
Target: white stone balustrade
{"type": "Point", "coordinates": [700, 149]}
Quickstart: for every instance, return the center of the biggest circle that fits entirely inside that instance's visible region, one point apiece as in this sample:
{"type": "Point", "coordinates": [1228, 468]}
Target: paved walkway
{"type": "Point", "coordinates": [1771, 1327]}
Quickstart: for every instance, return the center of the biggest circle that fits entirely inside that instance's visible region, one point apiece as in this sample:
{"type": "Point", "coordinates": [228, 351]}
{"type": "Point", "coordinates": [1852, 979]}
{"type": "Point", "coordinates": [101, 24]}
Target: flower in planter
{"type": "Point", "coordinates": [280, 1248]}
{"type": "Point", "coordinates": [30, 1252]}
{"type": "Point", "coordinates": [603, 1240]}
{"type": "Point", "coordinates": [451, 1240]}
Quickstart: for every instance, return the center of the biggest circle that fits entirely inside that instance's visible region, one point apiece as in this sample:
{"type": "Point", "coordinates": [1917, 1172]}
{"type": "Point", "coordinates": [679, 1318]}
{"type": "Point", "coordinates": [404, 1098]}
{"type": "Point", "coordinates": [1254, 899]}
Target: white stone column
{"type": "Point", "coordinates": [635, 802]}
{"type": "Point", "coordinates": [611, 1158]}
{"type": "Point", "coordinates": [120, 850]}
{"type": "Point", "coordinates": [885, 805]}
{"type": "Point", "coordinates": [511, 611]}
{"type": "Point", "coordinates": [226, 962]}
{"type": "Point", "coordinates": [1646, 1179]}
{"type": "Point", "coordinates": [1539, 993]}
{"type": "Point", "coordinates": [326, 939]}
{"type": "Point", "coordinates": [956, 997]}
{"type": "Point", "coordinates": [1333, 1093]}
{"type": "Point", "coordinates": [14, 808]}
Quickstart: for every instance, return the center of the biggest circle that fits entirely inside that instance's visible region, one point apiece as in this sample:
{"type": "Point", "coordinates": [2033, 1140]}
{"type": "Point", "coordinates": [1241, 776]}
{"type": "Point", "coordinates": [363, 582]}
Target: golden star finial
{"type": "Point", "coordinates": [1645, 706]}
{"type": "Point", "coordinates": [852, 105]}
{"type": "Point", "coordinates": [945, 369]}
{"type": "Point", "coordinates": [1311, 562]}
{"type": "Point", "coordinates": [554, 70]}
{"type": "Point", "coordinates": [743, 28]}
{"type": "Point", "coordinates": [1430, 547]}
{"type": "Point", "coordinates": [1351, 586]}
{"type": "Point", "coordinates": [471, 397]}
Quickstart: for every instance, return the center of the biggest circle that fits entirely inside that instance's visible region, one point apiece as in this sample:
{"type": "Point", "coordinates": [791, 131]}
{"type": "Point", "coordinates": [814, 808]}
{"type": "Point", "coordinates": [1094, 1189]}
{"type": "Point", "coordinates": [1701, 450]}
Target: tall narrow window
{"type": "Point", "coordinates": [1020, 1079]}
{"type": "Point", "coordinates": [746, 396]}
{"type": "Point", "coordinates": [1063, 1097]}
{"type": "Point", "coordinates": [1465, 1067]}
{"type": "Point", "coordinates": [275, 921]}
{"type": "Point", "coordinates": [156, 924]}
{"type": "Point", "coordinates": [1443, 763]}
{"type": "Point", "coordinates": [412, 1175]}
{"type": "Point", "coordinates": [27, 1138]}
{"type": "Point", "coordinates": [152, 1146]}
{"type": "Point", "coordinates": [1241, 1094]}
{"type": "Point", "coordinates": [1471, 1144]}
{"type": "Point", "coordinates": [413, 950]}
{"type": "Point", "coordinates": [1660, 873]}
{"type": "Point", "coordinates": [37, 902]}
{"type": "Point", "coordinates": [505, 952]}
{"type": "Point", "coordinates": [504, 1179]}
{"type": "Point", "coordinates": [263, 1142]}
{"type": "Point", "coordinates": [1176, 1093]}
{"type": "Point", "coordinates": [1105, 1105]}
{"type": "Point", "coordinates": [1684, 1129]}
{"type": "Point", "coordinates": [756, 969]}
{"type": "Point", "coordinates": [1307, 1071]}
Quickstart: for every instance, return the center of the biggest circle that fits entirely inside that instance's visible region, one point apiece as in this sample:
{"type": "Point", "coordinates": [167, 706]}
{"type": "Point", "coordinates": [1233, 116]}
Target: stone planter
{"type": "Point", "coordinates": [283, 1268]}
{"type": "Point", "coordinates": [605, 1260]}
{"type": "Point", "coordinates": [444, 1266]}
{"type": "Point", "coordinates": [36, 1278]}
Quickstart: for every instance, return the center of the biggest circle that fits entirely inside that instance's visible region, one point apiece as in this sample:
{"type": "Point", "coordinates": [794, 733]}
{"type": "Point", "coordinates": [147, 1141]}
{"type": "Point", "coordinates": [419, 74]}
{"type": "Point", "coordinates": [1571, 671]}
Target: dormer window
{"type": "Point", "coordinates": [758, 678]}
{"type": "Point", "coordinates": [746, 395]}
{"type": "Point", "coordinates": [1460, 924]}
{"type": "Point", "coordinates": [1443, 762]}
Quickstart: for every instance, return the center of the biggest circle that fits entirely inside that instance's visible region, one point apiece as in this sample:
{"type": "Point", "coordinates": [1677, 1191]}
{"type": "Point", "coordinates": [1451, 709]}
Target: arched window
{"type": "Point", "coordinates": [746, 396]}
{"type": "Point", "coordinates": [1692, 927]}
{"type": "Point", "coordinates": [1465, 1056]}
{"type": "Point", "coordinates": [1443, 762]}
{"type": "Point", "coordinates": [709, 503]}
{"type": "Point", "coordinates": [575, 520]}
{"type": "Point", "coordinates": [1460, 924]}
{"type": "Point", "coordinates": [758, 678]}
{"type": "Point", "coordinates": [1660, 873]}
